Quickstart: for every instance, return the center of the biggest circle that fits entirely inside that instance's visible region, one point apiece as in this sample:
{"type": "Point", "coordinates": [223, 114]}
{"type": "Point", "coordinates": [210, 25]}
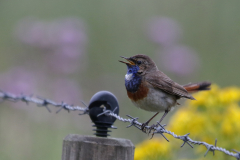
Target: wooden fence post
{"type": "Point", "coordinates": [78, 147]}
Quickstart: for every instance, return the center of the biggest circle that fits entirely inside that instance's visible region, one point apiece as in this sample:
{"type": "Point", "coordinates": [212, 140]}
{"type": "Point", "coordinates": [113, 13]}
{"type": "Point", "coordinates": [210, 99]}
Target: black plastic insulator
{"type": "Point", "coordinates": [101, 101]}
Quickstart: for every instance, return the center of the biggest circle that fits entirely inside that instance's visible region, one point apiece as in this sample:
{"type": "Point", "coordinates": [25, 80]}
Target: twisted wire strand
{"type": "Point", "coordinates": [42, 102]}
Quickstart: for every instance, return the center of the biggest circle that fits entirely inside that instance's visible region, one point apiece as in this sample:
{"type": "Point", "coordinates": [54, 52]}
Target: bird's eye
{"type": "Point", "coordinates": [139, 62]}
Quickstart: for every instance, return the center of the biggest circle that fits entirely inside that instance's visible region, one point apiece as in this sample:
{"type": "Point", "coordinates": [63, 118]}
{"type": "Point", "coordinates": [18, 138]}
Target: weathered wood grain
{"type": "Point", "coordinates": [78, 147]}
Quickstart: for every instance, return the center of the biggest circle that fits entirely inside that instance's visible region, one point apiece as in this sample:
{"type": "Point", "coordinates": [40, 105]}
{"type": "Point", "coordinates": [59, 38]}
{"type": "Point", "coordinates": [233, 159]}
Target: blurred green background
{"type": "Point", "coordinates": [68, 50]}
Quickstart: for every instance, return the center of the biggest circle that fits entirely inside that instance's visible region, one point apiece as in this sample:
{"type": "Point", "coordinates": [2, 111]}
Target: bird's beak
{"type": "Point", "coordinates": [130, 62]}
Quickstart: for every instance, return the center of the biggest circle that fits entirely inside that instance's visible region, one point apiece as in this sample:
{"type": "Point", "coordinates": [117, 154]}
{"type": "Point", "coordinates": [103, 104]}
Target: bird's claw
{"type": "Point", "coordinates": [153, 127]}
{"type": "Point", "coordinates": [143, 127]}
{"type": "Point", "coordinates": [146, 129]}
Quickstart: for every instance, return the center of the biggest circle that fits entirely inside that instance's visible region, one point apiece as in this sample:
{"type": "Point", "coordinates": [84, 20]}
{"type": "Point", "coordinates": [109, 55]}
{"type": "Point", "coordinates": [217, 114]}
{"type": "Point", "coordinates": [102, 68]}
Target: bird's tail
{"type": "Point", "coordinates": [194, 87]}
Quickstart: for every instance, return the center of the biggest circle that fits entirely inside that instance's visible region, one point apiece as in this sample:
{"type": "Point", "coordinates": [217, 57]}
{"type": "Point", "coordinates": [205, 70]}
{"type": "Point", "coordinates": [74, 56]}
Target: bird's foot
{"type": "Point", "coordinates": [152, 128]}
{"type": "Point", "coordinates": [144, 125]}
{"type": "Point", "coordinates": [146, 129]}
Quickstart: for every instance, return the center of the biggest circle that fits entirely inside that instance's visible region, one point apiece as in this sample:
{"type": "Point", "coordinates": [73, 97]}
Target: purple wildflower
{"type": "Point", "coordinates": [164, 31]}
{"type": "Point", "coordinates": [180, 60]}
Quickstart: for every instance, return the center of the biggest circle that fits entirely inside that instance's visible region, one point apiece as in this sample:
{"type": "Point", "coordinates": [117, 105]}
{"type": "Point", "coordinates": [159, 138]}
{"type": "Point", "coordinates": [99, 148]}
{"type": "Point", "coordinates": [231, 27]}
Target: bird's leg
{"type": "Point", "coordinates": [165, 113]}
{"type": "Point", "coordinates": [155, 125]}
{"type": "Point", "coordinates": [146, 123]}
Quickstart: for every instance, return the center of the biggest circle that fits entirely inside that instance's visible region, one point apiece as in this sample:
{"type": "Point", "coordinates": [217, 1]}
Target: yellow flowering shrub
{"type": "Point", "coordinates": [214, 114]}
{"type": "Point", "coordinates": [152, 149]}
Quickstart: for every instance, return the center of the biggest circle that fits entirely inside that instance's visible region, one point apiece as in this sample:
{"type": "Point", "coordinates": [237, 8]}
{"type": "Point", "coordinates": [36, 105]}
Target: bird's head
{"type": "Point", "coordinates": [141, 63]}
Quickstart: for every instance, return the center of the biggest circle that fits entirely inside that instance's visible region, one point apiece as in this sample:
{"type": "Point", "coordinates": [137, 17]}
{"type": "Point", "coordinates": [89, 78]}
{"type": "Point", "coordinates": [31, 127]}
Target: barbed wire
{"type": "Point", "coordinates": [157, 129]}
{"type": "Point", "coordinates": [185, 138]}
{"type": "Point", "coordinates": [42, 102]}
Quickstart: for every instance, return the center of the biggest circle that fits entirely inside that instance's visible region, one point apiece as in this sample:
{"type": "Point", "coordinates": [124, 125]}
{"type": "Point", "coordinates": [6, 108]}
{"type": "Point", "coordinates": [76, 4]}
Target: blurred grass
{"type": "Point", "coordinates": [115, 28]}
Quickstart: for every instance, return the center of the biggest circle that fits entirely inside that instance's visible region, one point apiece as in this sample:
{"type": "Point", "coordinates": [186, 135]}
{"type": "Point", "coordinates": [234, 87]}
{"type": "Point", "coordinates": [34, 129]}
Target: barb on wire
{"type": "Point", "coordinates": [157, 129]}
{"type": "Point", "coordinates": [42, 102]}
{"type": "Point", "coordinates": [133, 122]}
{"type": "Point", "coordinates": [160, 130]}
{"type": "Point", "coordinates": [209, 148]}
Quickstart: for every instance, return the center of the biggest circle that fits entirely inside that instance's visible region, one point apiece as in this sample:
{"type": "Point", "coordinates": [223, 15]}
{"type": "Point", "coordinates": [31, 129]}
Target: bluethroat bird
{"type": "Point", "coordinates": [152, 90]}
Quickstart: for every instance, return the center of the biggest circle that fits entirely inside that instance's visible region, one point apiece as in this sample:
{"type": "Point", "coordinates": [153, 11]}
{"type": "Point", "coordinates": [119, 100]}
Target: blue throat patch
{"type": "Point", "coordinates": [132, 80]}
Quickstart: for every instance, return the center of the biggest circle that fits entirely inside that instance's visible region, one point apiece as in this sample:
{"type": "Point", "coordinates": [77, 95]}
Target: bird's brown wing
{"type": "Point", "coordinates": [161, 81]}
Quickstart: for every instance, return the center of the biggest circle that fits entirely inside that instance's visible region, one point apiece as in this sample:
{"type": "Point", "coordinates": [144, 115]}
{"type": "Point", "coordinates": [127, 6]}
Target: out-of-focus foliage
{"type": "Point", "coordinates": [153, 149]}
{"type": "Point", "coordinates": [214, 114]}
